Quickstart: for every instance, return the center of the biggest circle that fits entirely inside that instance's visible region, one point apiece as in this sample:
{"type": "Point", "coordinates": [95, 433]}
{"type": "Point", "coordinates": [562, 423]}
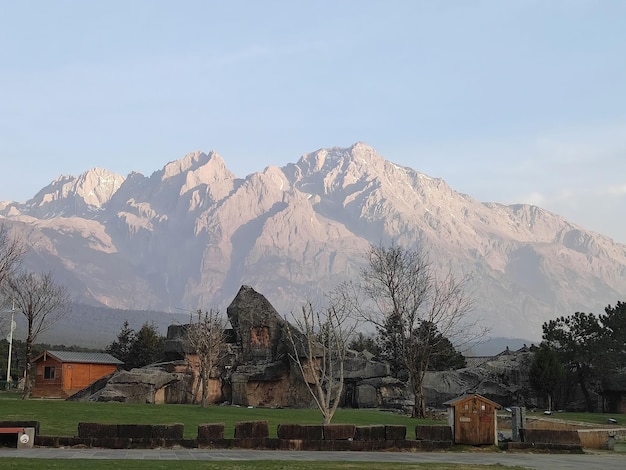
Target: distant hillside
{"type": "Point", "coordinates": [97, 327]}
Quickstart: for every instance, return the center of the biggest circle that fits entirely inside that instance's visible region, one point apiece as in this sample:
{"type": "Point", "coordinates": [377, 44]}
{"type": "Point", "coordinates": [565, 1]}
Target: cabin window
{"type": "Point", "coordinates": [48, 372]}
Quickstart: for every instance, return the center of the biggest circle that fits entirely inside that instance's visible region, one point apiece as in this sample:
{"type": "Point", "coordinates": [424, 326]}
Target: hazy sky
{"type": "Point", "coordinates": [508, 101]}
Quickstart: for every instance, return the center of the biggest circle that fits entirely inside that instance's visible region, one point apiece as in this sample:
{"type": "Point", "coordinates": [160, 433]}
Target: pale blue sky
{"type": "Point", "coordinates": [508, 101]}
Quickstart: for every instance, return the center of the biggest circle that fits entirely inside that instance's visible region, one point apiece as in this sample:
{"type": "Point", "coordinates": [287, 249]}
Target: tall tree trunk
{"type": "Point", "coordinates": [419, 404]}
{"type": "Point", "coordinates": [549, 402]}
{"type": "Point", "coordinates": [27, 383]}
{"type": "Point", "coordinates": [205, 387]}
{"type": "Point", "coordinates": [196, 387]}
{"type": "Point", "coordinates": [583, 386]}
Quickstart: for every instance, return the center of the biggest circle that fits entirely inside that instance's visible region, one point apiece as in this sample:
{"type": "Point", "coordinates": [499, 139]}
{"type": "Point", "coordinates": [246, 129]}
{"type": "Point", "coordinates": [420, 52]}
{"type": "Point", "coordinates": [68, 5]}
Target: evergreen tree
{"type": "Point", "coordinates": [444, 355]}
{"type": "Point", "coordinates": [580, 342]}
{"type": "Point", "coordinates": [547, 373]}
{"type": "Point", "coordinates": [121, 348]}
{"type": "Point", "coordinates": [147, 348]}
{"type": "Point", "coordinates": [391, 343]}
{"type": "Point", "coordinates": [363, 342]}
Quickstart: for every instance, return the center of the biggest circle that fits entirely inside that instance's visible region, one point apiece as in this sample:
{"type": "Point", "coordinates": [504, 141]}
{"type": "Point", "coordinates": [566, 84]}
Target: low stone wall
{"type": "Point", "coordinates": [600, 438]}
{"type": "Point", "coordinates": [434, 433]}
{"type": "Point", "coordinates": [130, 431]}
{"type": "Point", "coordinates": [549, 440]}
{"type": "Point", "coordinates": [252, 435]}
{"type": "Point", "coordinates": [590, 436]}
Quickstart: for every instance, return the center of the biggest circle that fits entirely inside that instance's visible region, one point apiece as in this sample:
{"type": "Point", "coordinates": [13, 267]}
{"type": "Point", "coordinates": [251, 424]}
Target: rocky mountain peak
{"type": "Point", "coordinates": [199, 169]}
{"type": "Point", "coordinates": [358, 157]}
{"type": "Point", "coordinates": [75, 195]}
{"type": "Point", "coordinates": [190, 162]}
{"type": "Point", "coordinates": [192, 233]}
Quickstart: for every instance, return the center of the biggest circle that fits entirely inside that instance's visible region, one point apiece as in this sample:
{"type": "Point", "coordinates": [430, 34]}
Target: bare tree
{"type": "Point", "coordinates": [206, 337]}
{"type": "Point", "coordinates": [43, 302]}
{"type": "Point", "coordinates": [320, 353]}
{"type": "Point", "coordinates": [11, 252]}
{"type": "Point", "coordinates": [409, 301]}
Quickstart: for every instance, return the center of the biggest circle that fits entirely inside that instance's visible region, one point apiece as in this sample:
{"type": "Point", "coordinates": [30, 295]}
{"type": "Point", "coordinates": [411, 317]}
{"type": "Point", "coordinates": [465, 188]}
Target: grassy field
{"type": "Point", "coordinates": [61, 418]}
{"type": "Point", "coordinates": [582, 417]}
{"type": "Point", "coordinates": [28, 464]}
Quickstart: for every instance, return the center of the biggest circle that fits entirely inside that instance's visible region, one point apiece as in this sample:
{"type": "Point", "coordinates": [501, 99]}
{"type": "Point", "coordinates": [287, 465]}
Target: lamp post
{"type": "Point", "coordinates": [10, 338]}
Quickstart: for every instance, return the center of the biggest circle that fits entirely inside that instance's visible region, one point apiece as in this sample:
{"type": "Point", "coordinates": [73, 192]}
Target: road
{"type": "Point", "coordinates": [587, 461]}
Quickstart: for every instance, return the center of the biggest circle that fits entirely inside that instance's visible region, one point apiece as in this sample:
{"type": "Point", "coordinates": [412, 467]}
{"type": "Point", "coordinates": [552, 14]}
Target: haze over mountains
{"type": "Point", "coordinates": [192, 233]}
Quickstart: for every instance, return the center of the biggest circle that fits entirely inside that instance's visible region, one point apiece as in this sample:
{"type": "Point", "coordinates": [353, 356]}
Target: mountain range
{"type": "Point", "coordinates": [192, 233]}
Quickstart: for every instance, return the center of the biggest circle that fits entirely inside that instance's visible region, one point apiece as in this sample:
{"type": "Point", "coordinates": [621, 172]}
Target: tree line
{"type": "Point", "coordinates": [580, 352]}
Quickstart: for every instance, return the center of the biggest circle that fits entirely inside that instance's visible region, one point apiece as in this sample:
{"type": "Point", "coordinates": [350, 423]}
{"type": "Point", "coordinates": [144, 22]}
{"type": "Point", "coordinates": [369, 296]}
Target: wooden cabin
{"type": "Point", "coordinates": [473, 419]}
{"type": "Point", "coordinates": [60, 374]}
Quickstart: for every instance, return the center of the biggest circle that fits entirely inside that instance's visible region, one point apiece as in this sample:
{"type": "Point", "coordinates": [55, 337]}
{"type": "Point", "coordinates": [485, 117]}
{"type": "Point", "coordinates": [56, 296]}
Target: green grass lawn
{"type": "Point", "coordinates": [28, 464]}
{"type": "Point", "coordinates": [582, 417]}
{"type": "Point", "coordinates": [61, 418]}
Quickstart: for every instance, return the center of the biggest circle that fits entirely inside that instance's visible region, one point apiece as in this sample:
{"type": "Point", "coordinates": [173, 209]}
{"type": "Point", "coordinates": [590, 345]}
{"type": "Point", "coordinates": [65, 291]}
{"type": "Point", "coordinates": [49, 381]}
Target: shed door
{"type": "Point", "coordinates": [474, 423]}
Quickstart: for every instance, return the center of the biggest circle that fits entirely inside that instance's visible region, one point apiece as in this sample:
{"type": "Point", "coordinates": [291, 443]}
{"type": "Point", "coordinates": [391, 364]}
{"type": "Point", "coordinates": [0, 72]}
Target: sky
{"type": "Point", "coordinates": [518, 101]}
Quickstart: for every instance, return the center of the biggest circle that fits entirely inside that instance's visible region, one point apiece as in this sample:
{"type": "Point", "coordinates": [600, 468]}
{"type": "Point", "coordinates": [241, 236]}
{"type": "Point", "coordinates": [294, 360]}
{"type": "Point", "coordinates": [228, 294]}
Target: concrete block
{"type": "Point", "coordinates": [97, 430]}
{"type": "Point", "coordinates": [26, 438]}
{"type": "Point", "coordinates": [251, 429]}
{"type": "Point", "coordinates": [370, 433]}
{"type": "Point", "coordinates": [300, 431]}
{"type": "Point", "coordinates": [395, 432]}
{"type": "Point", "coordinates": [143, 431]}
{"type": "Point", "coordinates": [433, 433]}
{"type": "Point", "coordinates": [210, 431]}
{"type": "Point", "coordinates": [338, 432]}
{"type": "Point", "coordinates": [168, 431]}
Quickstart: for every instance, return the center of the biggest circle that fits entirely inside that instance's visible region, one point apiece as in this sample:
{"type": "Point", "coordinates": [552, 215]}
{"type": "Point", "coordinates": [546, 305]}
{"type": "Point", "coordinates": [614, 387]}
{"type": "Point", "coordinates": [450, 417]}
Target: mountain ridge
{"type": "Point", "coordinates": [191, 233]}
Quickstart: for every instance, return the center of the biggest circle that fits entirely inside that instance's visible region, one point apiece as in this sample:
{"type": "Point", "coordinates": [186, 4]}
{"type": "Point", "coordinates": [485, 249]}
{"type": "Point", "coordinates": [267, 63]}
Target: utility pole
{"type": "Point", "coordinates": [10, 338]}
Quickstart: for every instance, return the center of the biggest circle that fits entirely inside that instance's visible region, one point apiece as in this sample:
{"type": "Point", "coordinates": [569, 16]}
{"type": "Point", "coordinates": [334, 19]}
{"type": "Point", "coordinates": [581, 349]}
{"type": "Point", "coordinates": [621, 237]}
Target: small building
{"type": "Point", "coordinates": [473, 419]}
{"type": "Point", "coordinates": [60, 374]}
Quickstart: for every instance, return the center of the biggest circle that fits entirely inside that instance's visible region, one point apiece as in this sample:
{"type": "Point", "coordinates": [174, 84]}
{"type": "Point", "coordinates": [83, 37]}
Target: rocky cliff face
{"type": "Point", "coordinates": [191, 233]}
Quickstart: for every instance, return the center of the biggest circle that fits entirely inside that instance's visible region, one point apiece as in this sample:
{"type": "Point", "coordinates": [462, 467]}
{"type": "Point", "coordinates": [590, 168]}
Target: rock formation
{"type": "Point", "coordinates": [260, 371]}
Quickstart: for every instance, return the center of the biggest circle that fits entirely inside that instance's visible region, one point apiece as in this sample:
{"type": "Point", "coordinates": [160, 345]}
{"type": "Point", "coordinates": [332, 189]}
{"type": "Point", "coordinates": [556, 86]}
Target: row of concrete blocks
{"type": "Point", "coordinates": [266, 443]}
{"type": "Point", "coordinates": [255, 434]}
{"type": "Point", "coordinates": [260, 429]}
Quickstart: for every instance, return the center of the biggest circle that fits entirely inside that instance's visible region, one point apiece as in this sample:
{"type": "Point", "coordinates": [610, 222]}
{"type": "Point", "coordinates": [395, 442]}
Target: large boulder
{"type": "Point", "coordinates": [360, 365]}
{"type": "Point", "coordinates": [147, 385]}
{"type": "Point", "coordinates": [258, 327]}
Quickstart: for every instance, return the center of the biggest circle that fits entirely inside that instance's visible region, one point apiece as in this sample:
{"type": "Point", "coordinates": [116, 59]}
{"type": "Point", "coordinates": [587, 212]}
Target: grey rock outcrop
{"type": "Point", "coordinates": [146, 385]}
{"type": "Point", "coordinates": [260, 370]}
{"type": "Point", "coordinates": [502, 378]}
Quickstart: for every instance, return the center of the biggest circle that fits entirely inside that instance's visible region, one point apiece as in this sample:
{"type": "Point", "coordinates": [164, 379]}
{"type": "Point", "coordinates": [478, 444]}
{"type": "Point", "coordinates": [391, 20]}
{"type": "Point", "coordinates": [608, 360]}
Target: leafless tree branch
{"type": "Point", "coordinates": [43, 302]}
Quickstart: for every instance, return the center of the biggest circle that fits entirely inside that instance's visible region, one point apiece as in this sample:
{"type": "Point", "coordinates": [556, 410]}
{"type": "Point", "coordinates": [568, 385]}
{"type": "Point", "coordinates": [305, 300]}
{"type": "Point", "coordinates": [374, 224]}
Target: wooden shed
{"type": "Point", "coordinates": [60, 374]}
{"type": "Point", "coordinates": [473, 419]}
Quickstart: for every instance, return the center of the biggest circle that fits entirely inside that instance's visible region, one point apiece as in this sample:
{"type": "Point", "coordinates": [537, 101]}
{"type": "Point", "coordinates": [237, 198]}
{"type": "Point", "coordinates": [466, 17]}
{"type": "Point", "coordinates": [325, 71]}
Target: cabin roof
{"type": "Point", "coordinates": [80, 357]}
{"type": "Point", "coordinates": [462, 398]}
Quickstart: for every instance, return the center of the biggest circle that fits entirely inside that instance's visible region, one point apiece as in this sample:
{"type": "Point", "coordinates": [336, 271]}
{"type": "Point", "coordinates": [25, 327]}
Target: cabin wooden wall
{"type": "Point", "coordinates": [77, 376]}
{"type": "Point", "coordinates": [69, 378]}
{"type": "Point", "coordinates": [48, 387]}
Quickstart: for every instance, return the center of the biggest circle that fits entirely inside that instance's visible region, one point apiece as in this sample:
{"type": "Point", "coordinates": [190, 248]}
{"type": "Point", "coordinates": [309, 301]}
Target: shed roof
{"type": "Point", "coordinates": [81, 357]}
{"type": "Point", "coordinates": [462, 398]}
